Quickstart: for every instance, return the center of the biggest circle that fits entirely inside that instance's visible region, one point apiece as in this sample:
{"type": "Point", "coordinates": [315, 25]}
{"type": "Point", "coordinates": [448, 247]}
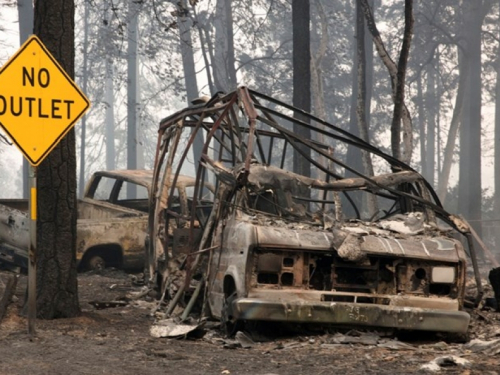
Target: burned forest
{"type": "Point", "coordinates": [258, 188]}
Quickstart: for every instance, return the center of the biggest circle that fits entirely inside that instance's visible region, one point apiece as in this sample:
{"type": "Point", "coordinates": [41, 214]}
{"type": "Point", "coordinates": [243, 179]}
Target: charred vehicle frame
{"type": "Point", "coordinates": [333, 246]}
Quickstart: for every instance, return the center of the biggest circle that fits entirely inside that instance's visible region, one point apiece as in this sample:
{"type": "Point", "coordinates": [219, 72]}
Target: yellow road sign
{"type": "Point", "coordinates": [39, 102]}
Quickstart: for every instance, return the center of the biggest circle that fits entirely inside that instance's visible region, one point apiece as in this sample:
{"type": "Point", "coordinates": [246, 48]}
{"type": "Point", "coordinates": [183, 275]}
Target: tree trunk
{"type": "Point", "coordinates": [456, 119]}
{"type": "Point", "coordinates": [431, 125]}
{"type": "Point", "coordinates": [318, 96]}
{"type": "Point", "coordinates": [422, 124]}
{"type": "Point", "coordinates": [86, 6]}
{"type": "Point", "coordinates": [109, 95]}
{"type": "Point", "coordinates": [438, 118]}
{"type": "Point", "coordinates": [133, 96]}
{"type": "Point", "coordinates": [57, 288]}
{"type": "Point", "coordinates": [399, 95]}
{"type": "Point", "coordinates": [191, 83]}
{"type": "Point", "coordinates": [231, 61]}
{"type": "Point", "coordinates": [464, 164]}
{"type": "Point", "coordinates": [361, 102]}
{"type": "Point", "coordinates": [208, 56]}
{"type": "Point", "coordinates": [353, 157]}
{"type": "Point", "coordinates": [395, 72]}
{"type": "Point", "coordinates": [25, 14]}
{"type": "Point", "coordinates": [223, 63]}
{"type": "Point", "coordinates": [317, 93]}
{"type": "Point", "coordinates": [368, 69]}
{"type": "Point", "coordinates": [301, 78]}
{"type": "Point", "coordinates": [473, 158]}
{"type": "Point", "coordinates": [496, 197]}
{"type": "Point", "coordinates": [186, 47]}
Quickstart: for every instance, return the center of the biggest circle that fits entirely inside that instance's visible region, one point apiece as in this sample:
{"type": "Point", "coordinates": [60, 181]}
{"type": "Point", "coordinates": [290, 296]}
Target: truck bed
{"type": "Point", "coordinates": [97, 210]}
{"type": "Point", "coordinates": [16, 204]}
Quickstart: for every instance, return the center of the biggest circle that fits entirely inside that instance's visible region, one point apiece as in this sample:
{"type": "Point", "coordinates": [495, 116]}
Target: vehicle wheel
{"type": "Point", "coordinates": [96, 263]}
{"type": "Point", "coordinates": [229, 324]}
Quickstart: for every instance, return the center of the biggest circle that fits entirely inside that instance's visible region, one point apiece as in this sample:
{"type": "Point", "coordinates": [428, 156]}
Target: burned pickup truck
{"type": "Point", "coordinates": [111, 227]}
{"type": "Point", "coordinates": [326, 244]}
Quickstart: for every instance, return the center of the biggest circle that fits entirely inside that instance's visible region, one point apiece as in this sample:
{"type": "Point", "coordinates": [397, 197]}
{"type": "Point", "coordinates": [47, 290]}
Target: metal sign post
{"type": "Point", "coordinates": [32, 254]}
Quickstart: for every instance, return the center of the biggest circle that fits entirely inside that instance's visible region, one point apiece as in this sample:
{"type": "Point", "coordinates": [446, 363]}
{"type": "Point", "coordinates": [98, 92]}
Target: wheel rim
{"type": "Point", "coordinates": [229, 323]}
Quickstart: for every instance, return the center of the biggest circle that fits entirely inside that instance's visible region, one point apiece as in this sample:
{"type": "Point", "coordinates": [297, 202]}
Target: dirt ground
{"type": "Point", "coordinates": [117, 340]}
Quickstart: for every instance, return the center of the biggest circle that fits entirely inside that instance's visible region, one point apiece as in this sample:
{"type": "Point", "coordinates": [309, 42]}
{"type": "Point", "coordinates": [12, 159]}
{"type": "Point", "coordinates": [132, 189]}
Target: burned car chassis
{"type": "Point", "coordinates": [322, 244]}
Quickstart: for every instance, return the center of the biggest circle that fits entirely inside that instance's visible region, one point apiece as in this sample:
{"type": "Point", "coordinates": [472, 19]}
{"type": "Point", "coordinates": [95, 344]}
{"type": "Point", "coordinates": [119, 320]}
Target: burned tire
{"type": "Point", "coordinates": [96, 263]}
{"type": "Point", "coordinates": [229, 324]}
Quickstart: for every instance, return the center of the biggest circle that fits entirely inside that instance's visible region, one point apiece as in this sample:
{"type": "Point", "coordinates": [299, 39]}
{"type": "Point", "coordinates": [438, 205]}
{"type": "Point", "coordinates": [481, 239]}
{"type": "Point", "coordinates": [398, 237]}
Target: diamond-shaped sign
{"type": "Point", "coordinates": [39, 102]}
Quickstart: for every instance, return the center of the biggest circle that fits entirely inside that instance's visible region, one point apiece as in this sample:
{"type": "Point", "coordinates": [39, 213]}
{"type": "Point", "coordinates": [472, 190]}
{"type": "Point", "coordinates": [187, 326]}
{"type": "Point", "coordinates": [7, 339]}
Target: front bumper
{"type": "Point", "coordinates": [350, 314]}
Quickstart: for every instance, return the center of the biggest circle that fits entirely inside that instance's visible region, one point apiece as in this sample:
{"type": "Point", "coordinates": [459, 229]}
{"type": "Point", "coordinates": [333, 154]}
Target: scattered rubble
{"type": "Point", "coordinates": [107, 304]}
{"type": "Point", "coordinates": [172, 328]}
{"type": "Point", "coordinates": [244, 340]}
{"type": "Point", "coordinates": [445, 362]}
{"type": "Point", "coordinates": [486, 347]}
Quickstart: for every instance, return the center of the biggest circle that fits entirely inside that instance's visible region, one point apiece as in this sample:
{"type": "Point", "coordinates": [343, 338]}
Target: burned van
{"type": "Point", "coordinates": [294, 230]}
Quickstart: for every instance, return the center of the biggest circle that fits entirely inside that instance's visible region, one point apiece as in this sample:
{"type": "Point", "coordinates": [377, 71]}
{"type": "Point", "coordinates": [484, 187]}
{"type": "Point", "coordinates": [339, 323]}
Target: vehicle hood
{"type": "Point", "coordinates": [356, 246]}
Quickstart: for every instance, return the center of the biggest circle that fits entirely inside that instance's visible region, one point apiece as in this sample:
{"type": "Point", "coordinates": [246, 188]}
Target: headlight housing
{"type": "Point", "coordinates": [443, 275]}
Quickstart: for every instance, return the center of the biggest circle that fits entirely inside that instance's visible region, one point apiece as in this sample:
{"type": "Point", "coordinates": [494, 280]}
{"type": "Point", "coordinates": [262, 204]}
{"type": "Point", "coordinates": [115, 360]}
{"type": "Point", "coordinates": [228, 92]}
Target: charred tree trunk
{"type": "Point", "coordinates": [396, 73]}
{"type": "Point", "coordinates": [134, 150]}
{"type": "Point", "coordinates": [475, 201]}
{"type": "Point", "coordinates": [223, 64]}
{"type": "Point", "coordinates": [431, 105]}
{"type": "Point", "coordinates": [422, 124]}
{"type": "Point", "coordinates": [109, 95]}
{"type": "Point", "coordinates": [464, 164]}
{"type": "Point", "coordinates": [353, 153]}
{"type": "Point", "coordinates": [57, 289]}
{"type": "Point", "coordinates": [206, 50]}
{"type": "Point", "coordinates": [496, 202]}
{"type": "Point", "coordinates": [470, 155]}
{"type": "Point", "coordinates": [318, 95]}
{"type": "Point", "coordinates": [353, 157]}
{"type": "Point", "coordinates": [231, 61]}
{"type": "Point", "coordinates": [361, 102]}
{"type": "Point", "coordinates": [438, 119]}
{"type": "Point", "coordinates": [456, 119]}
{"type": "Point", "coordinates": [399, 95]}
{"type": "Point", "coordinates": [86, 6]}
{"type": "Point", "coordinates": [25, 13]}
{"type": "Point", "coordinates": [301, 77]}
{"type": "Point", "coordinates": [109, 99]}
{"type": "Point", "coordinates": [186, 47]}
{"type": "Point", "coordinates": [317, 92]}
